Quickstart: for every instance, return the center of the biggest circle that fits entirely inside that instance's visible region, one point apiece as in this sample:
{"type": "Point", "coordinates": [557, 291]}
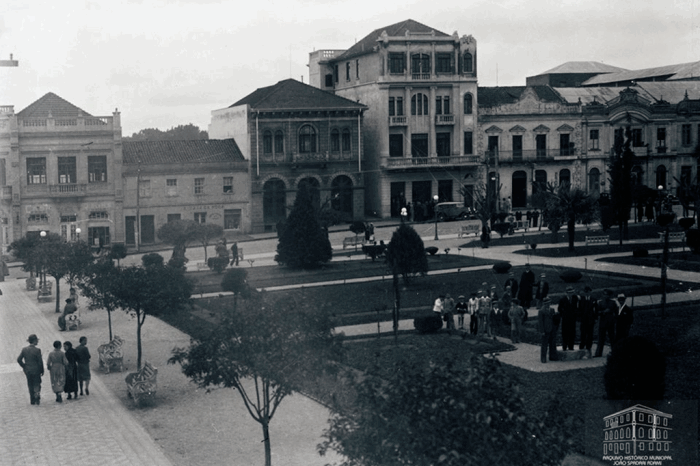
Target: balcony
{"type": "Point", "coordinates": [68, 190]}
{"type": "Point", "coordinates": [420, 76]}
{"type": "Point", "coordinates": [444, 119]}
{"type": "Point", "coordinates": [6, 193]}
{"type": "Point", "coordinates": [398, 121]}
{"type": "Point", "coordinates": [537, 155]}
{"type": "Point", "coordinates": [390, 163]}
{"type": "Point", "coordinates": [312, 158]}
{"type": "Point", "coordinates": [84, 123]}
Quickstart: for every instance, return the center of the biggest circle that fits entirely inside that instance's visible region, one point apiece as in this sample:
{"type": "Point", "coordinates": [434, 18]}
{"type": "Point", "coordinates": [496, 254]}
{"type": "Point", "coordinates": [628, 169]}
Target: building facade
{"type": "Point", "coordinates": [637, 430]}
{"type": "Point", "coordinates": [420, 87]}
{"type": "Point", "coordinates": [292, 134]}
{"type": "Point", "coordinates": [60, 171]}
{"type": "Point", "coordinates": [202, 180]}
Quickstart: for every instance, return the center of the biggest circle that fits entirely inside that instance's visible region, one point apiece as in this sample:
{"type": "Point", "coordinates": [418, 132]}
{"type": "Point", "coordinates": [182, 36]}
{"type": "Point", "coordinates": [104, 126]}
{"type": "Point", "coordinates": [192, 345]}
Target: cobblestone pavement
{"type": "Point", "coordinates": [90, 431]}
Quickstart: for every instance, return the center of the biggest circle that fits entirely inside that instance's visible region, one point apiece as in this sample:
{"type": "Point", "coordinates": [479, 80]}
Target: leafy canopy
{"type": "Point", "coordinates": [405, 253]}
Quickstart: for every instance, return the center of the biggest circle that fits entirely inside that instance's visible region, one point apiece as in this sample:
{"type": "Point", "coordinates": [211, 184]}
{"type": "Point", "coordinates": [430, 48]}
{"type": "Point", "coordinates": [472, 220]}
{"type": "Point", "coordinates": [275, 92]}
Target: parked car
{"type": "Point", "coordinates": [452, 211]}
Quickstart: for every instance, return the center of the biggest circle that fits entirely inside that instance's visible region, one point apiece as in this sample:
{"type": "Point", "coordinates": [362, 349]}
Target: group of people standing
{"type": "Point", "coordinates": [615, 320]}
{"type": "Point", "coordinates": [69, 371]}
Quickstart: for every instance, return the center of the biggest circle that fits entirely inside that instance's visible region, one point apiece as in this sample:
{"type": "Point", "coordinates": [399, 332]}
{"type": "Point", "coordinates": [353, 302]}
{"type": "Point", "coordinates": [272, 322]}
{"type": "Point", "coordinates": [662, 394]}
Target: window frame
{"type": "Point", "coordinates": [396, 143]}
{"type": "Point", "coordinates": [171, 187]}
{"type": "Point", "coordinates": [144, 187]}
{"type": "Point", "coordinates": [279, 142]}
{"type": "Point", "coordinates": [198, 185]}
{"type": "Point", "coordinates": [71, 172]}
{"type": "Point", "coordinates": [97, 168]}
{"type": "Point", "coordinates": [307, 139]}
{"type": "Point", "coordinates": [444, 62]}
{"type": "Point", "coordinates": [468, 143]}
{"type": "Point", "coordinates": [686, 135]}
{"type": "Point", "coordinates": [36, 170]}
{"type": "Point", "coordinates": [420, 105]}
{"type": "Point", "coordinates": [230, 216]}
{"type": "Point", "coordinates": [468, 103]}
{"type": "Point", "coordinates": [200, 217]}
{"type": "Point", "coordinates": [397, 60]}
{"type": "Point", "coordinates": [227, 184]}
{"type": "Point", "coordinates": [595, 141]}
{"type": "Point", "coordinates": [346, 140]}
{"type": "Point", "coordinates": [267, 142]}
{"type": "Point", "coordinates": [335, 140]}
{"type": "Point", "coordinates": [467, 62]}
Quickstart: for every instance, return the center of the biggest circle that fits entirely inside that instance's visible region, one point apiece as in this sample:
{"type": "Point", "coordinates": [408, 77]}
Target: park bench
{"type": "Point", "coordinates": [142, 384]}
{"type": "Point", "coordinates": [111, 355]}
{"type": "Point", "coordinates": [73, 321]}
{"type": "Point", "coordinates": [44, 294]}
{"type": "Point", "coordinates": [468, 230]}
{"type": "Point", "coordinates": [353, 241]}
{"type": "Point", "coordinates": [521, 225]}
{"type": "Point", "coordinates": [672, 236]}
{"type": "Point", "coordinates": [202, 266]}
{"type": "Point", "coordinates": [597, 240]}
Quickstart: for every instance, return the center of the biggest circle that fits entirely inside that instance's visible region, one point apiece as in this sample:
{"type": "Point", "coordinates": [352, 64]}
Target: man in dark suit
{"type": "Point", "coordinates": [513, 284]}
{"type": "Point", "coordinates": [607, 309]}
{"type": "Point", "coordinates": [527, 279]}
{"type": "Point", "coordinates": [624, 318]}
{"type": "Point", "coordinates": [33, 367]}
{"type": "Point", "coordinates": [588, 313]}
{"type": "Point", "coordinates": [568, 307]}
{"type": "Point", "coordinates": [547, 324]}
{"type": "Point", "coordinates": [542, 288]}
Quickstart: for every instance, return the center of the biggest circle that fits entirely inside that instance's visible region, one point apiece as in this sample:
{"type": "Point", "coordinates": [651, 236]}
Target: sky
{"type": "Point", "coordinates": [165, 63]}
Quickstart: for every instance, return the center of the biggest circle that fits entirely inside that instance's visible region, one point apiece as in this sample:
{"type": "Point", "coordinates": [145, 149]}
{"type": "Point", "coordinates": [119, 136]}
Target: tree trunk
{"type": "Point", "coordinates": [205, 251]}
{"type": "Point", "coordinates": [571, 229]}
{"type": "Point", "coordinates": [58, 295]}
{"type": "Point", "coordinates": [139, 323]}
{"type": "Point", "coordinates": [109, 323]}
{"type": "Point", "coordinates": [397, 305]}
{"type": "Point", "coordinates": [266, 439]}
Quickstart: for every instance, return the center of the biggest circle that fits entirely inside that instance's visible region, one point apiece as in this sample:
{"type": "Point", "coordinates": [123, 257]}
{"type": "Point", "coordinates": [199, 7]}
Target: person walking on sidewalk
{"type": "Point", "coordinates": [56, 363]}
{"type": "Point", "coordinates": [71, 386]}
{"type": "Point", "coordinates": [234, 253]}
{"type": "Point", "coordinates": [548, 331]}
{"type": "Point", "coordinates": [83, 366]}
{"type": "Point", "coordinates": [588, 313]}
{"type": "Point", "coordinates": [568, 308]}
{"type": "Point", "coordinates": [33, 366]}
{"type": "Point", "coordinates": [606, 326]}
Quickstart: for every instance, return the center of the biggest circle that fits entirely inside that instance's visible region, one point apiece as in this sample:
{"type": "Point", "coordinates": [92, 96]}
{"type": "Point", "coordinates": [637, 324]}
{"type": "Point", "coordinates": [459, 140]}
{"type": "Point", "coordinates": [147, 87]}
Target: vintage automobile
{"type": "Point", "coordinates": [452, 211]}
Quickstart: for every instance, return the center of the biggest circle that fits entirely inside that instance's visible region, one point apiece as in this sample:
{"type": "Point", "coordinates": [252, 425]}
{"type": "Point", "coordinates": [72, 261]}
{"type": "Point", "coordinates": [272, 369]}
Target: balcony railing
{"type": "Point", "coordinates": [398, 120]}
{"type": "Point", "coordinates": [444, 119]}
{"type": "Point", "coordinates": [68, 189]}
{"type": "Point", "coordinates": [408, 162]}
{"type": "Point", "coordinates": [307, 158]}
{"type": "Point", "coordinates": [86, 123]}
{"type": "Point", "coordinates": [530, 155]}
{"type": "Point", "coordinates": [6, 193]}
{"type": "Point", "coordinates": [420, 76]}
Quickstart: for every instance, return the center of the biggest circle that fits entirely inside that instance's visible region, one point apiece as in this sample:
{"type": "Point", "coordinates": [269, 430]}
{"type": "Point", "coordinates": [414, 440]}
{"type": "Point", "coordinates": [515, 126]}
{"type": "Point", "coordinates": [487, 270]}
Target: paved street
{"type": "Point", "coordinates": [102, 429]}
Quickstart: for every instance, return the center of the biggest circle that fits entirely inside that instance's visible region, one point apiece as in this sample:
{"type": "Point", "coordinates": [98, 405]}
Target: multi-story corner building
{"type": "Point", "coordinates": [538, 134]}
{"type": "Point", "coordinates": [420, 87]}
{"type": "Point", "coordinates": [60, 171]}
{"type": "Point", "coordinates": [202, 180]}
{"type": "Point", "coordinates": [637, 430]}
{"type": "Point", "coordinates": [292, 134]}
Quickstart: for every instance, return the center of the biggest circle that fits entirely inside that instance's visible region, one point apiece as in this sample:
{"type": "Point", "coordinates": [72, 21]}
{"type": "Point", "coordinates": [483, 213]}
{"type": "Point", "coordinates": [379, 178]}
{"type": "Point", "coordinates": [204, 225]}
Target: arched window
{"type": "Point", "coordinates": [274, 201]}
{"type": "Point", "coordinates": [279, 142]}
{"type": "Point", "coordinates": [661, 176]}
{"type": "Point", "coordinates": [346, 140]}
{"type": "Point", "coordinates": [594, 181]}
{"type": "Point", "coordinates": [419, 104]}
{"type": "Point", "coordinates": [468, 104]}
{"type": "Point", "coordinates": [468, 63]}
{"type": "Point", "coordinates": [564, 177]}
{"type": "Point", "coordinates": [267, 142]}
{"type": "Point", "coordinates": [307, 139]}
{"type": "Point", "coordinates": [341, 194]}
{"type": "Point", "coordinates": [335, 140]}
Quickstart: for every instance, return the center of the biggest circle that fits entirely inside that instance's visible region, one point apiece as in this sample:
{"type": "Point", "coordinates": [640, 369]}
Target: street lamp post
{"type": "Point", "coordinates": [42, 274]}
{"type": "Point", "coordinates": [404, 214]}
{"type": "Point", "coordinates": [77, 232]}
{"type": "Point", "coordinates": [436, 198]}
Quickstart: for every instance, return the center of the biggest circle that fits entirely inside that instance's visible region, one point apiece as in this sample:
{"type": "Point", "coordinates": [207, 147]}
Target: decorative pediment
{"type": "Point", "coordinates": [494, 129]}
{"type": "Point", "coordinates": [565, 129]}
{"type": "Point", "coordinates": [517, 129]}
{"type": "Point", "coordinates": [541, 129]}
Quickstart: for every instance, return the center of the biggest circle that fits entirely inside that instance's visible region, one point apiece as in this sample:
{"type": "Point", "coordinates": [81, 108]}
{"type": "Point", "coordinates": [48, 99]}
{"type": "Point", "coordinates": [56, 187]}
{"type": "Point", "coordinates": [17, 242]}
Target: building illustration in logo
{"type": "Point", "coordinates": [636, 430]}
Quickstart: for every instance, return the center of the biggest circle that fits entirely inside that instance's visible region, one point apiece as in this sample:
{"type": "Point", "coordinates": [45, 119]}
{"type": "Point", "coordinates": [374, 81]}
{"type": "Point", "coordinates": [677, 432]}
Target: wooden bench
{"type": "Point", "coordinates": [142, 385]}
{"type": "Point", "coordinates": [44, 295]}
{"type": "Point", "coordinates": [597, 240]}
{"type": "Point", "coordinates": [353, 241]}
{"type": "Point", "coordinates": [111, 354]}
{"type": "Point", "coordinates": [521, 225]}
{"type": "Point", "coordinates": [73, 321]}
{"type": "Point", "coordinates": [672, 236]}
{"type": "Point", "coordinates": [468, 230]}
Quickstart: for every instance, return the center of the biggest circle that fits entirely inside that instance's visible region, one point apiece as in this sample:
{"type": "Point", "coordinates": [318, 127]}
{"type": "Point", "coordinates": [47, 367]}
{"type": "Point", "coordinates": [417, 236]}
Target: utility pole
{"type": "Point", "coordinates": [137, 223]}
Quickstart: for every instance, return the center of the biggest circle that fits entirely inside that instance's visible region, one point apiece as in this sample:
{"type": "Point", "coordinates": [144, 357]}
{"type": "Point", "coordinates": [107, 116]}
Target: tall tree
{"type": "Point", "coordinates": [98, 285]}
{"type": "Point", "coordinates": [303, 243]}
{"type": "Point", "coordinates": [446, 414]}
{"type": "Point", "coordinates": [272, 343]}
{"type": "Point", "coordinates": [405, 253]}
{"type": "Point", "coordinates": [179, 234]}
{"type": "Point", "coordinates": [484, 208]}
{"type": "Point", "coordinates": [564, 205]}
{"type": "Point", "coordinates": [620, 166]}
{"type": "Point", "coordinates": [151, 290]}
{"type": "Point", "coordinates": [205, 233]}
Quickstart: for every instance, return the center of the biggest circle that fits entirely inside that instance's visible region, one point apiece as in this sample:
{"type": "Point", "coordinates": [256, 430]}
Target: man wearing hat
{"type": "Point", "coordinates": [513, 284]}
{"type": "Point", "coordinates": [473, 310]}
{"type": "Point", "coordinates": [607, 309]}
{"type": "Point", "coordinates": [69, 308]}
{"type": "Point", "coordinates": [548, 331]}
{"type": "Point", "coordinates": [461, 308]}
{"type": "Point", "coordinates": [33, 367]}
{"type": "Point", "coordinates": [568, 307]}
{"type": "Point", "coordinates": [624, 318]}
{"type": "Point", "coordinates": [484, 311]}
{"type": "Point", "coordinates": [588, 313]}
{"type": "Point", "coordinates": [527, 280]}
{"type": "Point", "coordinates": [542, 288]}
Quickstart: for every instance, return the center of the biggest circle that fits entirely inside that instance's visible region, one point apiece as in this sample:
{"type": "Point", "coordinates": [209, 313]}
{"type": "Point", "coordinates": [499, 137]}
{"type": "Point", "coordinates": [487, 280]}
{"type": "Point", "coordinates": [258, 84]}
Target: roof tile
{"type": "Point", "coordinates": [194, 151]}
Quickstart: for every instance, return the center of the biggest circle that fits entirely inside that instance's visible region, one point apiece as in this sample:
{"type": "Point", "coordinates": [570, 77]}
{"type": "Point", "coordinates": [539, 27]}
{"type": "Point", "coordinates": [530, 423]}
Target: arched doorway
{"type": "Point", "coordinates": [314, 188]}
{"type": "Point", "coordinates": [564, 177]}
{"type": "Point", "coordinates": [341, 195]}
{"type": "Point", "coordinates": [519, 189]}
{"type": "Point", "coordinates": [594, 182]}
{"type": "Point", "coordinates": [274, 203]}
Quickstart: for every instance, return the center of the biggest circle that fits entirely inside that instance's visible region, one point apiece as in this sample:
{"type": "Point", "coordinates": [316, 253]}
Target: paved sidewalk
{"type": "Point", "coordinates": [93, 430]}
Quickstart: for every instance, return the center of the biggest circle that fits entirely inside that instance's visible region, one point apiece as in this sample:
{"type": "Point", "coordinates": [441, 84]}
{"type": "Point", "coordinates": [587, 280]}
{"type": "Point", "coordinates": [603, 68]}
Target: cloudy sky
{"type": "Point", "coordinates": [169, 62]}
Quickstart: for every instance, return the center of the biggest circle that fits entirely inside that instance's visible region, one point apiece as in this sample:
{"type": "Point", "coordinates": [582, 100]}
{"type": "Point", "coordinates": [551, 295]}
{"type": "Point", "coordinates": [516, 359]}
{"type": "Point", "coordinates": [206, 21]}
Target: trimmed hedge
{"type": "Point", "coordinates": [428, 324]}
{"type": "Point", "coordinates": [502, 267]}
{"type": "Point", "coordinates": [432, 250]}
{"type": "Point", "coordinates": [571, 276]}
{"type": "Point", "coordinates": [640, 252]}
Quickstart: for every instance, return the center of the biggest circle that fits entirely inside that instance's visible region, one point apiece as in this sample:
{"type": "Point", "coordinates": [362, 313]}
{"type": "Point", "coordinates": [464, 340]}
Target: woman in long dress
{"type": "Point", "coordinates": [56, 364]}
{"type": "Point", "coordinates": [71, 386]}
